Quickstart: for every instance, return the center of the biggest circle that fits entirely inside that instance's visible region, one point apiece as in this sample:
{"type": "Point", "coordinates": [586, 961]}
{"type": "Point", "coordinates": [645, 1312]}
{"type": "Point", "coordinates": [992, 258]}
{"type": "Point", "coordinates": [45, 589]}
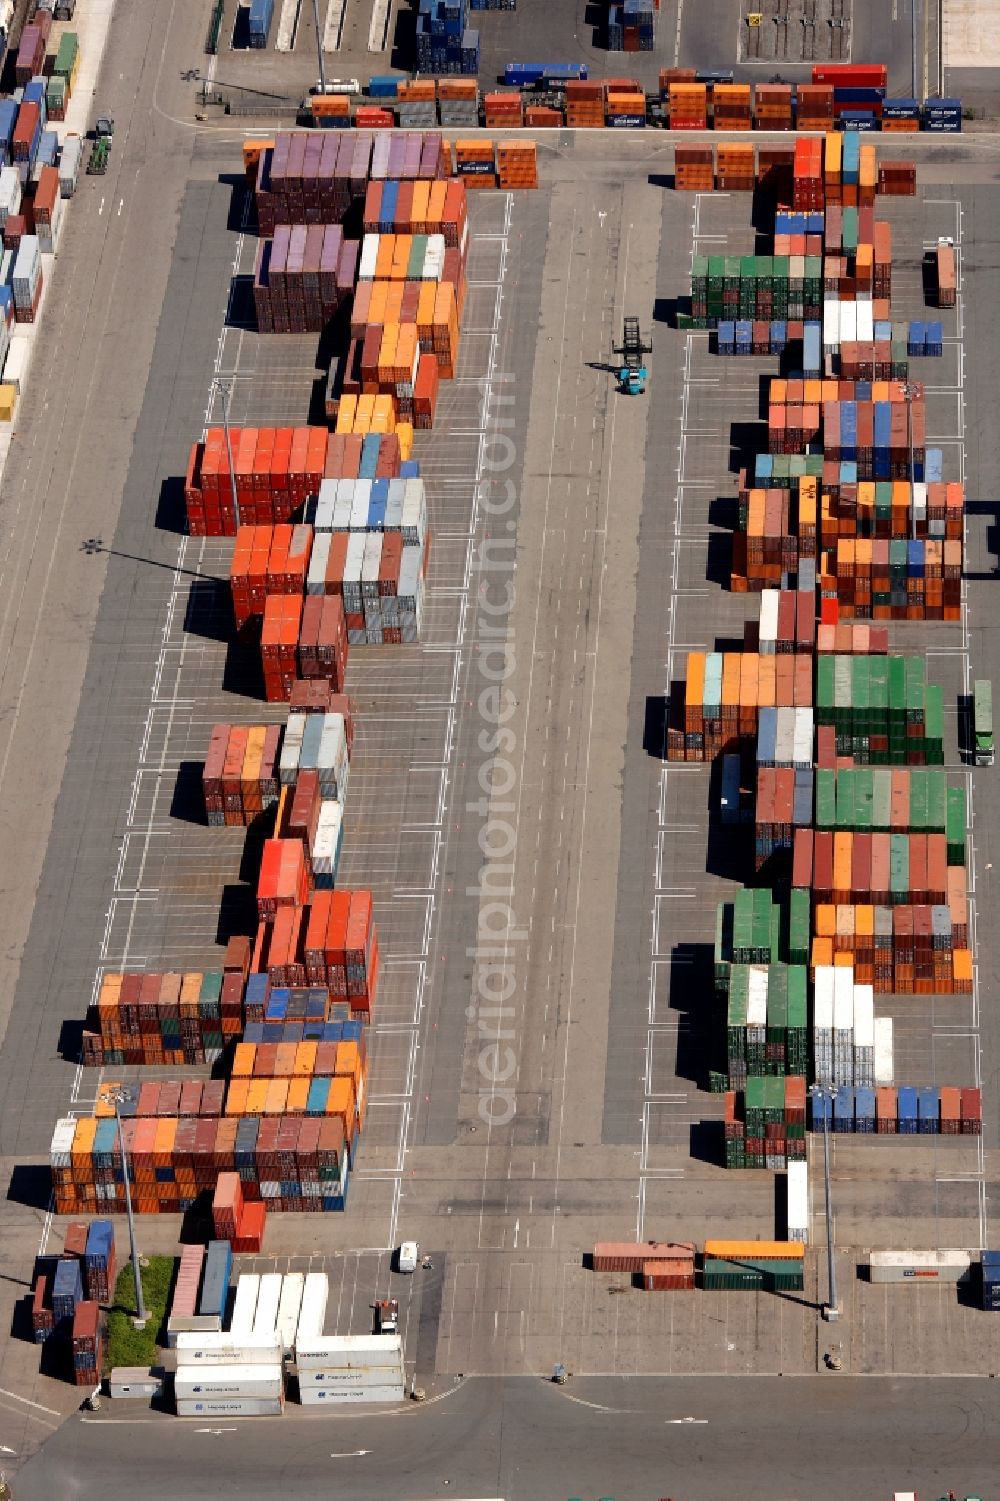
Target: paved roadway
{"type": "Point", "coordinates": [710, 34]}
{"type": "Point", "coordinates": [521, 1440]}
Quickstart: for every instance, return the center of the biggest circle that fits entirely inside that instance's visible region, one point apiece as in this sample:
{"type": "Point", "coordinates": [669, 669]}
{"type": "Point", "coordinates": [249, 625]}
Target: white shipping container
{"type": "Point", "coordinates": [326, 503]}
{"type": "Point", "coordinates": [324, 1396]}
{"type": "Point", "coordinates": [344, 1351]}
{"type": "Point", "coordinates": [69, 164]}
{"type": "Point", "coordinates": [292, 1288]}
{"type": "Point", "coordinates": [757, 996]}
{"type": "Point", "coordinates": [843, 1000]}
{"type": "Point", "coordinates": [221, 1349]}
{"type": "Point", "coordinates": [329, 833]}
{"type": "Point", "coordinates": [318, 560]}
{"type": "Point", "coordinates": [360, 505]}
{"type": "Point", "coordinates": [245, 1306]}
{"type": "Point", "coordinates": [802, 741]}
{"type": "Point", "coordinates": [62, 1141]}
{"type": "Point", "coordinates": [919, 1266]}
{"type": "Point", "coordinates": [10, 193]}
{"type": "Point", "coordinates": [768, 620]}
{"type": "Point", "coordinates": [864, 1016]}
{"type": "Point", "coordinates": [865, 321]}
{"type": "Point", "coordinates": [353, 1376]}
{"type": "Point", "coordinates": [344, 505]}
{"type": "Point", "coordinates": [413, 521]}
{"type": "Point", "coordinates": [883, 1050]}
{"type": "Point", "coordinates": [265, 1319]}
{"type": "Point", "coordinates": [291, 748]}
{"type": "Point", "coordinates": [848, 323]}
{"type": "Point", "coordinates": [798, 1202]}
{"type": "Point", "coordinates": [312, 1314]}
{"type": "Point", "coordinates": [368, 259]}
{"type": "Point", "coordinates": [231, 1407]}
{"type": "Point", "coordinates": [228, 1381]}
{"type": "Point", "coordinates": [394, 505]}
{"type": "Point", "coordinates": [189, 1323]}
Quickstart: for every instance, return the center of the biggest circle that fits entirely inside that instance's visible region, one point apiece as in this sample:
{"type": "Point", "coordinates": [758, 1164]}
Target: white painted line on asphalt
{"type": "Point", "coordinates": [16, 1397]}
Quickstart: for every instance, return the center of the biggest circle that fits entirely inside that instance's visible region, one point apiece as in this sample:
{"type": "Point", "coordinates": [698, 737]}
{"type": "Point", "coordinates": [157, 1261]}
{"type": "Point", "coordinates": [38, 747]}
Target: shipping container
{"type": "Point", "coordinates": [919, 1266]}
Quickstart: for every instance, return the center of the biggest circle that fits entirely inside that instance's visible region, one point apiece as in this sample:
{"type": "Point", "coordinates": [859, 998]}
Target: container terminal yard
{"type": "Point", "coordinates": [518, 967]}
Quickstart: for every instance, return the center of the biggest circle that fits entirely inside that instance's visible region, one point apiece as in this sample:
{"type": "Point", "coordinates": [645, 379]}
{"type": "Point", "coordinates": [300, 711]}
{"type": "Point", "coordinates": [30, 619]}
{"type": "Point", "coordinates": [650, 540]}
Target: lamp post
{"type": "Point", "coordinates": [831, 1309]}
{"type": "Point", "coordinates": [114, 1097]}
{"type": "Point", "coordinates": [225, 390]}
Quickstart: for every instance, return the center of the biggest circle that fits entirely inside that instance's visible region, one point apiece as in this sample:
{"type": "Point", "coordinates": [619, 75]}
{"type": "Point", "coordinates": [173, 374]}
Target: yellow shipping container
{"type": "Point", "coordinates": [755, 1250]}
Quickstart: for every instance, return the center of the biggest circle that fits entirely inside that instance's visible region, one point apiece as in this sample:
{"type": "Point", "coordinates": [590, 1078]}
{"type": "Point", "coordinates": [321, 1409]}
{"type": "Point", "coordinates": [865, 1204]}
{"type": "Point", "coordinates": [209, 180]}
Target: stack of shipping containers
{"type": "Point", "coordinates": [848, 518]}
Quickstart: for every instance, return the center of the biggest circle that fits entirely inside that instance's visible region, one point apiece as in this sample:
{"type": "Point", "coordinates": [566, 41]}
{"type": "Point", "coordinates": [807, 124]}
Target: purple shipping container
{"type": "Point", "coordinates": [347, 267]}
{"type": "Point", "coordinates": [430, 157]}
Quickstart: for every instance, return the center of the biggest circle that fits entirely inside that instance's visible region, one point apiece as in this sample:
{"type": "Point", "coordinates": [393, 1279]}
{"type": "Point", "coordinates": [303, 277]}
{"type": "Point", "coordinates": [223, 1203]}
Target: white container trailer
{"type": "Point", "coordinates": [349, 1380]}
{"type": "Point", "coordinates": [919, 1266]}
{"type": "Point", "coordinates": [222, 1349]}
{"type": "Point", "coordinates": [245, 1306]}
{"type": "Point", "coordinates": [262, 1381]}
{"type": "Point", "coordinates": [265, 1319]}
{"type": "Point", "coordinates": [321, 1396]}
{"type": "Point", "coordinates": [798, 1202]}
{"type": "Point", "coordinates": [292, 1288]}
{"type": "Point", "coordinates": [313, 1311]}
{"type": "Point", "coordinates": [883, 1050]}
{"type": "Point", "coordinates": [337, 1352]}
{"type": "Point", "coordinates": [231, 1407]}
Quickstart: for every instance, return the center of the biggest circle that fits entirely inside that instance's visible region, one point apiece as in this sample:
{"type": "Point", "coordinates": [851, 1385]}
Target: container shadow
{"type": "Point", "coordinates": [587, 1261]}
{"type": "Point", "coordinates": [729, 852]}
{"type": "Point", "coordinates": [404, 40]}
{"type": "Point", "coordinates": [30, 1185]}
{"type": "Point", "coordinates": [746, 440]}
{"type": "Point", "coordinates": [21, 1327]}
{"type": "Point", "coordinates": [240, 309]}
{"type": "Point", "coordinates": [654, 729]}
{"type": "Point", "coordinates": [55, 1360]}
{"type": "Point", "coordinates": [970, 1294]}
{"type": "Point", "coordinates": [928, 278]}
{"type": "Point", "coordinates": [719, 559]}
{"type": "Point", "coordinates": [241, 29]}
{"type": "Point", "coordinates": [171, 512]}
{"type": "Point", "coordinates": [780, 1206]}
{"type": "Point", "coordinates": [209, 609]}
{"type": "Point", "coordinates": [707, 1142]}
{"type": "Point", "coordinates": [692, 993]}
{"type": "Point", "coordinates": [665, 310]}
{"type": "Point", "coordinates": [317, 403]}
{"type": "Point", "coordinates": [196, 1222]}
{"type": "Point", "coordinates": [799, 1299]}
{"type": "Point", "coordinates": [724, 512]}
{"type": "Point", "coordinates": [70, 1044]}
{"type": "Point", "coordinates": [243, 673]}
{"type": "Point", "coordinates": [240, 199]}
{"type": "Point", "coordinates": [662, 180]}
{"type": "Point", "coordinates": [187, 804]}
{"type": "Point", "coordinates": [966, 726]}
{"type": "Point", "coordinates": [237, 913]}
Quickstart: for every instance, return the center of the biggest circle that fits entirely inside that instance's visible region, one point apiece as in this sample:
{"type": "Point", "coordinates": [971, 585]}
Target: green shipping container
{"type": "Point", "coordinates": [956, 823]}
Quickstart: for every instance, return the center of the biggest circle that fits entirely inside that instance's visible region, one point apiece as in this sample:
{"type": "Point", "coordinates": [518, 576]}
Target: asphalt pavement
{"type": "Point", "coordinates": [817, 1439]}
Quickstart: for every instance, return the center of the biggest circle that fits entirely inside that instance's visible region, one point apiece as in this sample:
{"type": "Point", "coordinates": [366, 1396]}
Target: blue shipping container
{"type": "Point", "coordinates": [906, 1110]}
